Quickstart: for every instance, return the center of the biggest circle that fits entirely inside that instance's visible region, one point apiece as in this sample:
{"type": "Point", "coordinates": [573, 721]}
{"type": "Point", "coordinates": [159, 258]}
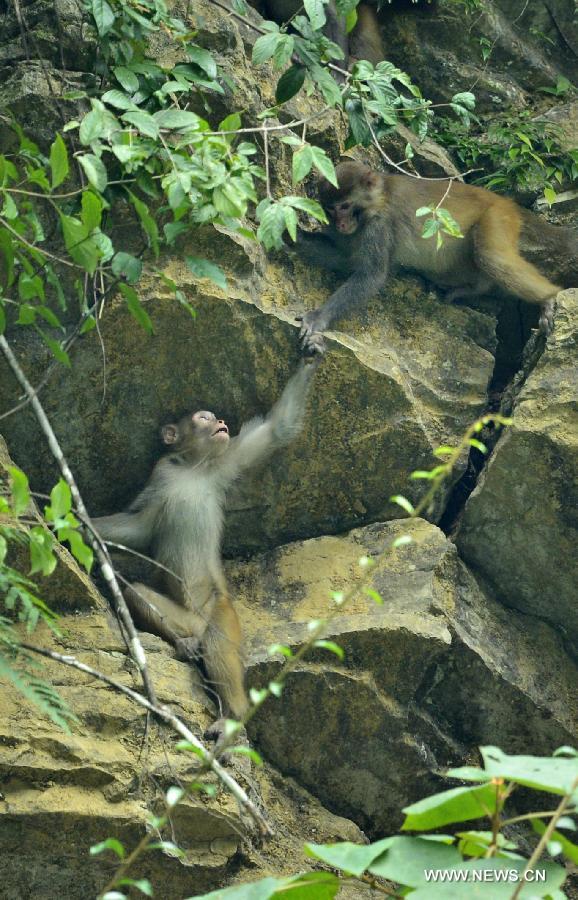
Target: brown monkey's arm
{"type": "Point", "coordinates": [259, 437]}
{"type": "Point", "coordinates": [318, 248]}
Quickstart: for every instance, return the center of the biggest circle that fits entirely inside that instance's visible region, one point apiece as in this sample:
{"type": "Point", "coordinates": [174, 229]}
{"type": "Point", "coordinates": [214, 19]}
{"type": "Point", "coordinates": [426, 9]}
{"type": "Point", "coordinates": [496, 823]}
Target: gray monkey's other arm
{"type": "Point", "coordinates": [259, 437]}
{"type": "Point", "coordinates": [134, 526]}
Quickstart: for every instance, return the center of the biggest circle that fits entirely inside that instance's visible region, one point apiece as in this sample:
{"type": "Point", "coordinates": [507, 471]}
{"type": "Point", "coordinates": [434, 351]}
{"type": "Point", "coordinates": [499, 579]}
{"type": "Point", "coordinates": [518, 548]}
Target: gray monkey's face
{"type": "Point", "coordinates": [201, 433]}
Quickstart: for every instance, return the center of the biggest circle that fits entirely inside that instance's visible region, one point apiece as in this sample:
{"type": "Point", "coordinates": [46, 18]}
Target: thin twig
{"type": "Point", "coordinates": [164, 713]}
{"type": "Point", "coordinates": [37, 249]}
{"type": "Point", "coordinates": [133, 642]}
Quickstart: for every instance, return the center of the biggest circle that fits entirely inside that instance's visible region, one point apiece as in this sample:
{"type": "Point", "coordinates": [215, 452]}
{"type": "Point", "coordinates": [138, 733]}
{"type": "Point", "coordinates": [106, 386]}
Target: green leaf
{"type": "Point", "coordinates": [9, 208]}
{"type": "Point", "coordinates": [202, 268]}
{"type": "Point", "coordinates": [324, 165]}
{"type": "Point", "coordinates": [430, 227]}
{"type": "Point", "coordinates": [316, 12]}
{"type": "Point", "coordinates": [258, 890]}
{"type": "Point", "coordinates": [95, 171]}
{"type": "Point", "coordinates": [276, 688]}
{"type": "Point", "coordinates": [142, 120]}
{"type": "Point", "coordinates": [41, 544]}
{"type": "Point", "coordinates": [456, 805]}
{"type": "Point", "coordinates": [309, 886]}
{"type": "Point", "coordinates": [230, 123]}
{"type": "Point", "coordinates": [148, 223]}
{"type": "Point", "coordinates": [302, 163]}
{"type": "Point", "coordinates": [177, 119]}
{"type": "Point", "coordinates": [280, 648]}
{"type": "Point", "coordinates": [374, 595]}
{"type": "Point", "coordinates": [127, 79]}
{"type": "Point", "coordinates": [60, 501]}
{"type": "Point", "coordinates": [478, 445]}
{"type": "Point", "coordinates": [83, 250]}
{"type": "Point", "coordinates": [283, 51]}
{"type": "Point", "coordinates": [332, 647]}
{"type": "Point", "coordinates": [290, 83]}
{"type": "Point", "coordinates": [135, 307]}
{"type": "Point", "coordinates": [450, 225]}
{"type": "Point", "coordinates": [203, 59]}
{"type": "Point", "coordinates": [265, 47]}
{"type": "Point", "coordinates": [327, 86]}
{"type": "Point", "coordinates": [403, 502]}
{"type": "Point", "coordinates": [91, 210]}
{"type": "Point", "coordinates": [554, 774]}
{"type": "Point", "coordinates": [20, 492]}
{"type": "Point", "coordinates": [57, 350]}
{"type": "Point", "coordinates": [351, 858]}
{"type": "Point", "coordinates": [312, 207]}
{"type": "Point", "coordinates": [173, 796]}
{"type": "Point", "coordinates": [569, 849]}
{"type": "Point", "coordinates": [103, 16]}
{"type": "Point", "coordinates": [109, 844]}
{"type": "Point", "coordinates": [81, 551]}
{"type": "Point", "coordinates": [402, 541]}
{"type": "Point", "coordinates": [118, 99]}
{"type": "Point", "coordinates": [58, 161]}
{"type": "Point", "coordinates": [243, 750]}
{"type": "Point", "coordinates": [407, 858]}
{"type": "Point", "coordinates": [549, 195]}
{"type": "Point", "coordinates": [127, 266]}
{"type": "Point", "coordinates": [466, 98]}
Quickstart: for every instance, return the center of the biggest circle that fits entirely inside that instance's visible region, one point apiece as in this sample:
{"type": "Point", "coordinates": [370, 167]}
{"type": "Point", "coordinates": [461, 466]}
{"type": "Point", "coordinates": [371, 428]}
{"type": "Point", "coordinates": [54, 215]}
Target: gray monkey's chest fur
{"type": "Point", "coordinates": [187, 534]}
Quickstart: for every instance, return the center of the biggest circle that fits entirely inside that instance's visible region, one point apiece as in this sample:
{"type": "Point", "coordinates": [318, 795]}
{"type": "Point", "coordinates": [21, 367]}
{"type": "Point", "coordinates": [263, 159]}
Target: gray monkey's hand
{"type": "Point", "coordinates": [188, 649]}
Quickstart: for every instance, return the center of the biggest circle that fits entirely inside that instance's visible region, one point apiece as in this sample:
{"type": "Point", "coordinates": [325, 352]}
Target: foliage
{"type": "Point", "coordinates": [521, 153]}
{"type": "Point", "coordinates": [443, 864]}
{"type": "Point", "coordinates": [21, 532]}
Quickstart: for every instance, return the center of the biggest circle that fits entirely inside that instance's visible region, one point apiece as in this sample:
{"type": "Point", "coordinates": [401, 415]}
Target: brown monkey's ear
{"type": "Point", "coordinates": [170, 434]}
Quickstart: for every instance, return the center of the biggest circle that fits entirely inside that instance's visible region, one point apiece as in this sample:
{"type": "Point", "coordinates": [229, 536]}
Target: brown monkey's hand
{"type": "Point", "coordinates": [314, 349]}
{"type": "Point", "coordinates": [188, 649]}
{"type": "Point", "coordinates": [311, 322]}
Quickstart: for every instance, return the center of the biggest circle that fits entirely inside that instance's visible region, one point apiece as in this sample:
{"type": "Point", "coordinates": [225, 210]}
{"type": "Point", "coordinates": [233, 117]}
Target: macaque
{"type": "Point", "coordinates": [365, 40]}
{"type": "Point", "coordinates": [374, 229]}
{"type": "Point", "coordinates": [178, 520]}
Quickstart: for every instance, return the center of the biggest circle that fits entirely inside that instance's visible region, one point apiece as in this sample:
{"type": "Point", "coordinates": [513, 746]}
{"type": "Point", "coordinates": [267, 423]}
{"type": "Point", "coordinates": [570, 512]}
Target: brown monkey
{"type": "Point", "coordinates": [373, 228]}
{"type": "Point", "coordinates": [365, 40]}
{"type": "Point", "coordinates": [178, 519]}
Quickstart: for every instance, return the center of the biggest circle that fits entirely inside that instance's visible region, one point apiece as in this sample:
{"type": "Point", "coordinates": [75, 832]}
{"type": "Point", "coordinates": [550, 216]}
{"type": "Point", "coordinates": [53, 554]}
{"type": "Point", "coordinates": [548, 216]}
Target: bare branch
{"type": "Point", "coordinates": [133, 642]}
{"type": "Point", "coordinates": [166, 715]}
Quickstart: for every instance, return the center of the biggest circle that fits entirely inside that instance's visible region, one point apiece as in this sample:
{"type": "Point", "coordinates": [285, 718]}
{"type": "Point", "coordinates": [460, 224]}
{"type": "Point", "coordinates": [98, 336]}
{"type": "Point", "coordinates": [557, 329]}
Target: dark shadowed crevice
{"type": "Point", "coordinates": [519, 348]}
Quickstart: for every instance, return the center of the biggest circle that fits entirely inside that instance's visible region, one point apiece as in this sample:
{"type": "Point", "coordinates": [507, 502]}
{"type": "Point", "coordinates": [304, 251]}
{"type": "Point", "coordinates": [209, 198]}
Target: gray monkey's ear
{"type": "Point", "coordinates": [169, 434]}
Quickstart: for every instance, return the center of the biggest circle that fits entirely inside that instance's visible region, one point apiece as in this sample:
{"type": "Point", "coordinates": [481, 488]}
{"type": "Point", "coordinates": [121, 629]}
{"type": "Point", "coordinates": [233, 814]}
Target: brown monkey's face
{"type": "Point", "coordinates": [345, 216]}
{"type": "Point", "coordinates": [200, 432]}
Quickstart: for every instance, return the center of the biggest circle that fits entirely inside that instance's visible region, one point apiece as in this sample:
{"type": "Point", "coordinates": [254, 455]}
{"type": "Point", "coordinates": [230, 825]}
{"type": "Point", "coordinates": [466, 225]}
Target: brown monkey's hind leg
{"type": "Point", "coordinates": [496, 248]}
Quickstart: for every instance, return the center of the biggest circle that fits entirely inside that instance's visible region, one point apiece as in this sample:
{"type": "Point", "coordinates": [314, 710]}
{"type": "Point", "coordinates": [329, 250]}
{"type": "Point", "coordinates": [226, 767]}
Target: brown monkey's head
{"type": "Point", "coordinates": [198, 434]}
{"type": "Point", "coordinates": [357, 196]}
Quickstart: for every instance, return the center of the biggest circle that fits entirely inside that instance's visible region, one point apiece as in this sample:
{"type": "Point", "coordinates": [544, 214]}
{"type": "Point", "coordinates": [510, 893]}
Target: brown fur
{"type": "Point", "coordinates": [487, 256]}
